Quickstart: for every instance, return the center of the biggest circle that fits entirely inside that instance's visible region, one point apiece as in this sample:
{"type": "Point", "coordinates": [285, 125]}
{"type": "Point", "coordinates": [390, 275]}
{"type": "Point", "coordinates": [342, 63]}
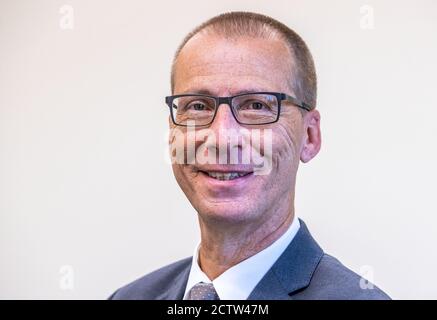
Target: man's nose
{"type": "Point", "coordinates": [227, 142]}
{"type": "Point", "coordinates": [224, 119]}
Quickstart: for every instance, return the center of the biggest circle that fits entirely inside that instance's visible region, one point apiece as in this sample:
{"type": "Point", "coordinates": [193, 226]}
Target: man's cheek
{"type": "Point", "coordinates": [176, 143]}
{"type": "Point", "coordinates": [263, 152]}
{"type": "Point", "coordinates": [285, 145]}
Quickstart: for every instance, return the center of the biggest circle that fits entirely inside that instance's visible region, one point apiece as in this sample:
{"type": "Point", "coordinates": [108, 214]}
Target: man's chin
{"type": "Point", "coordinates": [226, 212]}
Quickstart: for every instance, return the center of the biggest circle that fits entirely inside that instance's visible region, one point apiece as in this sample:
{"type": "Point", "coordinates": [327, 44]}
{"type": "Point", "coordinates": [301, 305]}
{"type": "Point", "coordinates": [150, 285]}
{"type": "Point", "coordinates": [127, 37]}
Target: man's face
{"type": "Point", "coordinates": [220, 67]}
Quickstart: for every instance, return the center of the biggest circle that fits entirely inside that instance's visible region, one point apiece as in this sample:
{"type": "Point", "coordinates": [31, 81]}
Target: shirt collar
{"type": "Point", "coordinates": [237, 282]}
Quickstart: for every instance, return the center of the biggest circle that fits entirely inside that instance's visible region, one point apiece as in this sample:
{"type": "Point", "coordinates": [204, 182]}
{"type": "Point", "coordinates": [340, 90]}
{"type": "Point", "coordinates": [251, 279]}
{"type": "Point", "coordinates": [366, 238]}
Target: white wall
{"type": "Point", "coordinates": [84, 186]}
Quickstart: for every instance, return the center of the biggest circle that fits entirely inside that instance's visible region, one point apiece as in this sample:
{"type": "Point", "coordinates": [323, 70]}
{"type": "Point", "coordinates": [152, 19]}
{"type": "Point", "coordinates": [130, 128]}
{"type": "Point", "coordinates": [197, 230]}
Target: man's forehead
{"type": "Point", "coordinates": [224, 69]}
{"type": "Point", "coordinates": [211, 59]}
{"type": "Point", "coordinates": [215, 50]}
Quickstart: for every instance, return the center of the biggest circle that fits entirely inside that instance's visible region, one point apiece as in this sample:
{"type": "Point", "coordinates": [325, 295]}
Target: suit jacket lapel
{"type": "Point", "coordinates": [176, 289]}
{"type": "Point", "coordinates": [292, 271]}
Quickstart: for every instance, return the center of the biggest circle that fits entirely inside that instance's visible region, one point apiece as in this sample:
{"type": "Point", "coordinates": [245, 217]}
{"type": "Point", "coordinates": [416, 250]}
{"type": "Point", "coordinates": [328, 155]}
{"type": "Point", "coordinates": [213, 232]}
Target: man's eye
{"type": "Point", "coordinates": [257, 105]}
{"type": "Point", "coordinates": [254, 105]}
{"type": "Point", "coordinates": [196, 106]}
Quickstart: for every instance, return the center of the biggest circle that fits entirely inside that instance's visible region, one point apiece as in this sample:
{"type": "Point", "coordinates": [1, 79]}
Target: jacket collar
{"type": "Point", "coordinates": [176, 289]}
{"type": "Point", "coordinates": [292, 271]}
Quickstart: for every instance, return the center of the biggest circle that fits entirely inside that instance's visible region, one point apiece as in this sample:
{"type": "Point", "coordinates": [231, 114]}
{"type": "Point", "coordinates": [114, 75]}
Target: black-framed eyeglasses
{"type": "Point", "coordinates": [257, 108]}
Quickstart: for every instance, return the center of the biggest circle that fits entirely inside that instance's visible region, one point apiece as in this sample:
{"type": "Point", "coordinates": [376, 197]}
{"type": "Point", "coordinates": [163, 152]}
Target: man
{"type": "Point", "coordinates": [251, 76]}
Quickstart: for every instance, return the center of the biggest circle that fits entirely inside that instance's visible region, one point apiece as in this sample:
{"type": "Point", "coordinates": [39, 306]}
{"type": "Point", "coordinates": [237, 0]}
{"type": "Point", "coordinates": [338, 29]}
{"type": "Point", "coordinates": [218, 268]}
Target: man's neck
{"type": "Point", "coordinates": [223, 247]}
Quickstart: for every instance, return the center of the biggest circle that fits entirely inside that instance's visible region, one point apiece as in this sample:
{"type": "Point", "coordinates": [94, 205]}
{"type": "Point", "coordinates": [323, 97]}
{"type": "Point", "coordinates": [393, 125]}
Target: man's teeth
{"type": "Point", "coordinates": [226, 176]}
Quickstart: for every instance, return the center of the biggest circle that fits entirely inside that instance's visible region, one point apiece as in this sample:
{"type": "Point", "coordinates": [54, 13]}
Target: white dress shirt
{"type": "Point", "coordinates": [237, 282]}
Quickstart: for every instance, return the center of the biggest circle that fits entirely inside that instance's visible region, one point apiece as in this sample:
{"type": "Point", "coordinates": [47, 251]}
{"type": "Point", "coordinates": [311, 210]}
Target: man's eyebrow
{"type": "Point", "coordinates": [210, 93]}
{"type": "Point", "coordinates": [200, 91]}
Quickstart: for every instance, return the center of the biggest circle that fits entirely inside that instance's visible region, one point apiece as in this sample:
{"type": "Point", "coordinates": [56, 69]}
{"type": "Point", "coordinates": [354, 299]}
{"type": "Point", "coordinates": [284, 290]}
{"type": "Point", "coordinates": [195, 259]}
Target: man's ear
{"type": "Point", "coordinates": [312, 137]}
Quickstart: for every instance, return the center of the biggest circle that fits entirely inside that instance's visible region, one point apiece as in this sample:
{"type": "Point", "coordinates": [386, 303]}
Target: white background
{"type": "Point", "coordinates": [85, 190]}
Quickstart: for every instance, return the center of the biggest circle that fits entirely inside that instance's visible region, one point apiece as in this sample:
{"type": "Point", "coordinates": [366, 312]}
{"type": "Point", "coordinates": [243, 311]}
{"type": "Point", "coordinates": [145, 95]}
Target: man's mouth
{"type": "Point", "coordinates": [226, 176]}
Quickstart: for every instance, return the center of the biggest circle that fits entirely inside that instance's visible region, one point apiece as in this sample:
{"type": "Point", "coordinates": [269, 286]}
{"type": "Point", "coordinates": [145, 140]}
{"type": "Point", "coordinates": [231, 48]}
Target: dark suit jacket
{"type": "Point", "coordinates": [303, 271]}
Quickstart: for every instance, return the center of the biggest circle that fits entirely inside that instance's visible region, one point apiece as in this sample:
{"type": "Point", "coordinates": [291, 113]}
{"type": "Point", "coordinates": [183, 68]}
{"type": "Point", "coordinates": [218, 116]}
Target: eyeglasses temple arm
{"type": "Point", "coordinates": [296, 102]}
